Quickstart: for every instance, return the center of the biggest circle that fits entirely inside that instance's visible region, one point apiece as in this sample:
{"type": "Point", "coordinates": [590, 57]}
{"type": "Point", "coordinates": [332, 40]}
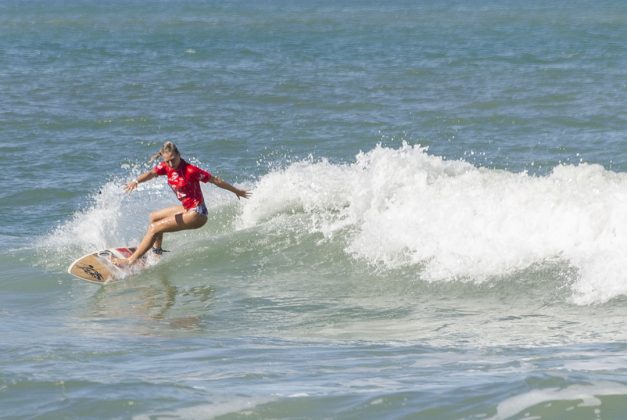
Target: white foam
{"type": "Point", "coordinates": [583, 395]}
{"type": "Point", "coordinates": [92, 228]}
{"type": "Point", "coordinates": [232, 405]}
{"type": "Point", "coordinates": [403, 207]}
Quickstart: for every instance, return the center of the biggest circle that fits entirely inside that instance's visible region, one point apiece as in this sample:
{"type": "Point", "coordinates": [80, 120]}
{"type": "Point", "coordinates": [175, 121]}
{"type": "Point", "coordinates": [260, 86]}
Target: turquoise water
{"type": "Point", "coordinates": [437, 228]}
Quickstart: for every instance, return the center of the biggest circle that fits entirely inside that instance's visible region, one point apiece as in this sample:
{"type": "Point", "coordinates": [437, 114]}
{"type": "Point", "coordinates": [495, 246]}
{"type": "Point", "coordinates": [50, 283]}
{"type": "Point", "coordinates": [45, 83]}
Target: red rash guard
{"type": "Point", "coordinates": [185, 182]}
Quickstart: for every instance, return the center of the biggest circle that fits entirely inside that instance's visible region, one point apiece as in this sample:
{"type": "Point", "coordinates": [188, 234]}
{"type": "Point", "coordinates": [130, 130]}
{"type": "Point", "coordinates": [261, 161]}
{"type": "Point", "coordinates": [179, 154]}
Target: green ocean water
{"type": "Point", "coordinates": [437, 227]}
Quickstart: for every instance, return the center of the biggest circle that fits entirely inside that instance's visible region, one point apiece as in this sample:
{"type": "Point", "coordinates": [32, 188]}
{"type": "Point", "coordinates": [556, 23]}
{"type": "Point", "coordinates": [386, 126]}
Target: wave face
{"type": "Point", "coordinates": [449, 220]}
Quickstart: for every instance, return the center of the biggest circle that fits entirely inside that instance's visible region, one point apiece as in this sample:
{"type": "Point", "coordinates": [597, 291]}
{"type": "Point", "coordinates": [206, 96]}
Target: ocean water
{"type": "Point", "coordinates": [438, 225]}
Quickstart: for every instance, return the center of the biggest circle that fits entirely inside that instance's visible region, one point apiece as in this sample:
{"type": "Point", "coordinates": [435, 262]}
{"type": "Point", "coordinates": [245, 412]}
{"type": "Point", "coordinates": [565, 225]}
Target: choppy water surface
{"type": "Point", "coordinates": [437, 227]}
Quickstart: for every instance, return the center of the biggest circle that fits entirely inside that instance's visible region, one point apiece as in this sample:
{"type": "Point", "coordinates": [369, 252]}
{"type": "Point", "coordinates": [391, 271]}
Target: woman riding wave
{"type": "Point", "coordinates": [184, 179]}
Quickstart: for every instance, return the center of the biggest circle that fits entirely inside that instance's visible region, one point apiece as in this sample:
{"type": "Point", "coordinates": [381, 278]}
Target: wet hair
{"type": "Point", "coordinates": [168, 147]}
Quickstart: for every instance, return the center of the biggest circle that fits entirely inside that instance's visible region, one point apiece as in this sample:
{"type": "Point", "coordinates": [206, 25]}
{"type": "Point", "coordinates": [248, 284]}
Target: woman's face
{"type": "Point", "coordinates": [171, 159]}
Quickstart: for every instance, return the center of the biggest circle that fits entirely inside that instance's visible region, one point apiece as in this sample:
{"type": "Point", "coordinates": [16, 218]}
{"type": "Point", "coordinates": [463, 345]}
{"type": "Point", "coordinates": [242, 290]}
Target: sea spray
{"type": "Point", "coordinates": [403, 207]}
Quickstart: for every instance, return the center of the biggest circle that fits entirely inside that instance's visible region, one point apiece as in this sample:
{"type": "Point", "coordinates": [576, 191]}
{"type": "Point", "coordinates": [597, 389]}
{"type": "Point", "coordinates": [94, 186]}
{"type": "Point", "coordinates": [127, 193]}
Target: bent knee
{"type": "Point", "coordinates": [153, 229]}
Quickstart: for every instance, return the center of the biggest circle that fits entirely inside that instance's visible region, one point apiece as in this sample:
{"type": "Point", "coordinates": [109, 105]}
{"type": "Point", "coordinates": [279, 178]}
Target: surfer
{"type": "Point", "coordinates": [184, 179]}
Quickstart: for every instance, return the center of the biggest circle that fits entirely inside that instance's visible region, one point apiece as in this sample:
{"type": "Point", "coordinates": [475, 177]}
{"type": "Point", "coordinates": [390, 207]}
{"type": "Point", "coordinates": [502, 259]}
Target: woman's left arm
{"type": "Point", "coordinates": [225, 185]}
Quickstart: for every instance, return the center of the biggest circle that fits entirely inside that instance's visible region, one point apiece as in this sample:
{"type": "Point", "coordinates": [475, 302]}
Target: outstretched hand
{"type": "Point", "coordinates": [242, 194]}
{"type": "Point", "coordinates": [131, 186]}
{"type": "Point", "coordinates": [219, 182]}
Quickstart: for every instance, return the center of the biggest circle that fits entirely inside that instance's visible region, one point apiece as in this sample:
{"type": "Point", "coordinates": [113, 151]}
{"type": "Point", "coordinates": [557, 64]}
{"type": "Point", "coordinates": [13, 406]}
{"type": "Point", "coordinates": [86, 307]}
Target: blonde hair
{"type": "Point", "coordinates": [168, 147]}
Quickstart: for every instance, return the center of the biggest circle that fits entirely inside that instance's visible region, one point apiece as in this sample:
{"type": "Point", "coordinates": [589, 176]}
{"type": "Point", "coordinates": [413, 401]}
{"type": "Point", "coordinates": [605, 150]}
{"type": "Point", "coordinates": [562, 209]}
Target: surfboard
{"type": "Point", "coordinates": [97, 267]}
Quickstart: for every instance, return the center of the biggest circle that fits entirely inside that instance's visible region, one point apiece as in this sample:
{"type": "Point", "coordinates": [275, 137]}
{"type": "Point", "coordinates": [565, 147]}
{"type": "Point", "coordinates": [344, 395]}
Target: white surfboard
{"type": "Point", "coordinates": [97, 267]}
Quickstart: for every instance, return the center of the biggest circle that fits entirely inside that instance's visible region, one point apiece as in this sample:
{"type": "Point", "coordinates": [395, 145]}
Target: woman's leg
{"type": "Point", "coordinates": [174, 223]}
{"type": "Point", "coordinates": [158, 215]}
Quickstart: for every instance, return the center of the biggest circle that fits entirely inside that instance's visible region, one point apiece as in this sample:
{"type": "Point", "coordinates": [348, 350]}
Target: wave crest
{"type": "Point", "coordinates": [402, 207]}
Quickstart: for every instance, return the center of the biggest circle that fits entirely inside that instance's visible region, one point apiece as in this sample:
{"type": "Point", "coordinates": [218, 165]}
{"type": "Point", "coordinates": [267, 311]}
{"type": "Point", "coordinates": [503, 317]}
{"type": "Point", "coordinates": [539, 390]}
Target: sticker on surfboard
{"type": "Point", "coordinates": [98, 268]}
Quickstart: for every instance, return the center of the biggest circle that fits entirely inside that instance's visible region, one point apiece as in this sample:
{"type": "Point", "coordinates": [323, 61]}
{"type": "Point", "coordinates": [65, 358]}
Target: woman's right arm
{"type": "Point", "coordinates": [146, 176]}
